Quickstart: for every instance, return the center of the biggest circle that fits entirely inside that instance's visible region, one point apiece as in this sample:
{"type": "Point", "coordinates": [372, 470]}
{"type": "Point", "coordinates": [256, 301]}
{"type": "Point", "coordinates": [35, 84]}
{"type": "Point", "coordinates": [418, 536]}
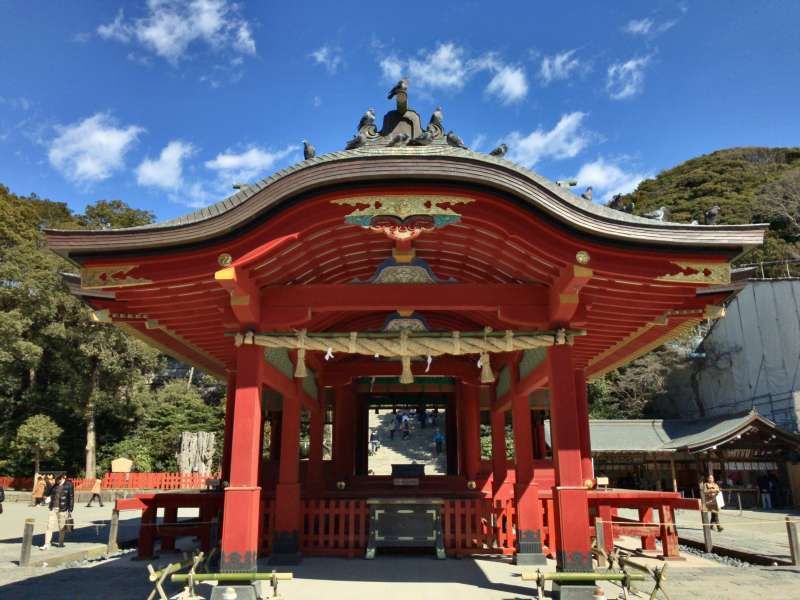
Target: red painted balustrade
{"type": "Point", "coordinates": [125, 481]}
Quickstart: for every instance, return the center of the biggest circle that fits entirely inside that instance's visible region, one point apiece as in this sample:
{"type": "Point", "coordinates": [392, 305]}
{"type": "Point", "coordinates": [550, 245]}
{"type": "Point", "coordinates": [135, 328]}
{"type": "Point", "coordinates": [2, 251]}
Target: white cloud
{"type": "Point", "coordinates": [443, 68]}
{"type": "Point", "coordinates": [448, 67]}
{"type": "Point", "coordinates": [510, 84]}
{"type": "Point", "coordinates": [392, 68]}
{"type": "Point", "coordinates": [638, 26]}
{"type": "Point", "coordinates": [626, 80]}
{"type": "Point", "coordinates": [478, 141]}
{"type": "Point", "coordinates": [249, 164]}
{"type": "Point", "coordinates": [329, 57]}
{"type": "Point", "coordinates": [171, 26]}
{"type": "Point", "coordinates": [645, 27]}
{"type": "Point", "coordinates": [566, 140]}
{"type": "Point", "coordinates": [559, 66]}
{"type": "Point", "coordinates": [608, 178]}
{"type": "Point", "coordinates": [166, 171]}
{"type": "Point", "coordinates": [92, 149]}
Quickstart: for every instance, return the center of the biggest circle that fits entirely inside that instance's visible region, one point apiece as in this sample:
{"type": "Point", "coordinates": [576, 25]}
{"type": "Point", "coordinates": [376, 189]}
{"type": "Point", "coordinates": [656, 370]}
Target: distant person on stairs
{"type": "Point", "coordinates": [438, 439]}
{"type": "Point", "coordinates": [406, 427]}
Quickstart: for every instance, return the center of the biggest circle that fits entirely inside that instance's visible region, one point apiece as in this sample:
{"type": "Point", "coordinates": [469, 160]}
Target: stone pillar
{"type": "Point", "coordinates": [242, 497]}
{"type": "Point", "coordinates": [230, 395]}
{"type": "Point", "coordinates": [526, 493]}
{"type": "Point", "coordinates": [573, 552]}
{"type": "Point", "coordinates": [582, 408]}
{"type": "Point", "coordinates": [471, 431]}
{"type": "Point", "coordinates": [286, 537]}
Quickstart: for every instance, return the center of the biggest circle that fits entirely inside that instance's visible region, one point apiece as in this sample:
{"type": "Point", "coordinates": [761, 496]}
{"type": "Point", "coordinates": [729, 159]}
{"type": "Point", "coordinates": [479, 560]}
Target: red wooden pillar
{"type": "Point", "coordinates": [526, 493]}
{"type": "Point", "coordinates": [571, 500]}
{"type": "Point", "coordinates": [274, 435]}
{"type": "Point", "coordinates": [499, 461]}
{"type": "Point", "coordinates": [451, 435]}
{"type": "Point", "coordinates": [242, 497]}
{"type": "Point", "coordinates": [226, 449]}
{"type": "Point", "coordinates": [314, 475]}
{"type": "Point", "coordinates": [361, 419]}
{"type": "Point", "coordinates": [286, 537]}
{"type": "Point", "coordinates": [582, 411]}
{"type": "Point", "coordinates": [471, 431]}
{"type": "Point", "coordinates": [343, 432]}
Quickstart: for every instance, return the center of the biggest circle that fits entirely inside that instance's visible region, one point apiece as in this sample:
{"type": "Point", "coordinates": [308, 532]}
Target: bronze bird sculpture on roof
{"type": "Point", "coordinates": [454, 140]}
{"type": "Point", "coordinates": [400, 86]}
{"type": "Point", "coordinates": [436, 117]}
{"type": "Point", "coordinates": [711, 215]}
{"type": "Point", "coordinates": [499, 151]}
{"type": "Point", "coordinates": [308, 150]}
{"type": "Point", "coordinates": [367, 119]}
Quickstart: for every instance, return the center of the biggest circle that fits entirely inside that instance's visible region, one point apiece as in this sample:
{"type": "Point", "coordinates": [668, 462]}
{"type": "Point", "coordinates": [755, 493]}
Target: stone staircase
{"type": "Point", "coordinates": [418, 448]}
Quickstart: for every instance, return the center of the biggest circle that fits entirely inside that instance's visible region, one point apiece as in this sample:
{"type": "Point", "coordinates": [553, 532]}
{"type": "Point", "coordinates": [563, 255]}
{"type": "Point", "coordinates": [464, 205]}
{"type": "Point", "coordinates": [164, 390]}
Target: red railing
{"type": "Point", "coordinates": [335, 527]}
{"type": "Point", "coordinates": [125, 481]}
{"type": "Point", "coordinates": [340, 527]}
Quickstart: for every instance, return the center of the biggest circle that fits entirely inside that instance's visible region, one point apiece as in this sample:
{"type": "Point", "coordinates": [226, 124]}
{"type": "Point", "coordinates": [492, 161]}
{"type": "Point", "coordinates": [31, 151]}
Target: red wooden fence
{"type": "Point", "coordinates": [125, 481]}
{"type": "Point", "coordinates": [335, 527]}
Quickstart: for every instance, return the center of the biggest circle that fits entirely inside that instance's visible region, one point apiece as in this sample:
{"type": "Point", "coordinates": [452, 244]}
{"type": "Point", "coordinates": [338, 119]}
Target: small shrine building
{"type": "Point", "coordinates": [409, 256]}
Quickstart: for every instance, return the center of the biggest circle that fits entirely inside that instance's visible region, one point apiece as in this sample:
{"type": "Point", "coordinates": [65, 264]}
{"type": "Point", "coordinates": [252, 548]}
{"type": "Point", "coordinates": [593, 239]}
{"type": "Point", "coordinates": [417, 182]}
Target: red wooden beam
{"type": "Point", "coordinates": [522, 303]}
{"type": "Point", "coordinates": [564, 293]}
{"type": "Point", "coordinates": [244, 294]}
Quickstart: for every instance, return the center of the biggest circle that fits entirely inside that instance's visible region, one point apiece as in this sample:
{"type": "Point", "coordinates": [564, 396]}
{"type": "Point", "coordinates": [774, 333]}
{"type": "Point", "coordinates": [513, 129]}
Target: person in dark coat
{"type": "Point", "coordinates": [62, 502]}
{"type": "Point", "coordinates": [2, 498]}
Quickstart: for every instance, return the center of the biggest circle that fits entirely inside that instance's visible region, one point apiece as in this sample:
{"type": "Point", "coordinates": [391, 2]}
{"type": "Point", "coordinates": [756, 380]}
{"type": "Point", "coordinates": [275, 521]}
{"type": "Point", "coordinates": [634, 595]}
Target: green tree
{"type": "Point", "coordinates": [37, 438]}
{"type": "Point", "coordinates": [113, 214]}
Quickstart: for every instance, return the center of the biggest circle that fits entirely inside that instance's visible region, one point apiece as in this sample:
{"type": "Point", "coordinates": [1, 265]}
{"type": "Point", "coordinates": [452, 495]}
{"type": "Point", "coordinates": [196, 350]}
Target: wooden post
{"type": "Point", "coordinates": [288, 509]}
{"type": "Point", "coordinates": [600, 542]}
{"type": "Point", "coordinates": [526, 492]}
{"type": "Point", "coordinates": [113, 533]}
{"type": "Point", "coordinates": [674, 475]}
{"type": "Point", "coordinates": [499, 461]}
{"type": "Point", "coordinates": [343, 440]}
{"type": "Point", "coordinates": [451, 434]}
{"type": "Point", "coordinates": [226, 448]}
{"type": "Point", "coordinates": [706, 518]}
{"type": "Point", "coordinates": [794, 541]}
{"type": "Point", "coordinates": [573, 551]}
{"type": "Point", "coordinates": [314, 479]}
{"type": "Point", "coordinates": [242, 501]}
{"type": "Point", "coordinates": [27, 542]}
{"type": "Point", "coordinates": [582, 414]}
{"type": "Point", "coordinates": [472, 434]}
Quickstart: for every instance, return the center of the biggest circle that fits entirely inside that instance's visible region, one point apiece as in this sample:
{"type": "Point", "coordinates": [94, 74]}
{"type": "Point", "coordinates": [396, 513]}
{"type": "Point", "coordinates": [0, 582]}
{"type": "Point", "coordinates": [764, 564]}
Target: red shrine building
{"type": "Point", "coordinates": [408, 264]}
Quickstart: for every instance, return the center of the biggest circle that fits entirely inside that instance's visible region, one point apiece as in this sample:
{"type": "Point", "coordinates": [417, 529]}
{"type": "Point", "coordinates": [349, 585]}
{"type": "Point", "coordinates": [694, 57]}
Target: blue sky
{"type": "Point", "coordinates": [165, 104]}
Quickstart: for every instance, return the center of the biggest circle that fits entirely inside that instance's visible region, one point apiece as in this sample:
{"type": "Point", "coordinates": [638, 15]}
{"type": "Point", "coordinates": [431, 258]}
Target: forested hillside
{"type": "Point", "coordinates": [96, 385]}
{"type": "Point", "coordinates": [749, 185]}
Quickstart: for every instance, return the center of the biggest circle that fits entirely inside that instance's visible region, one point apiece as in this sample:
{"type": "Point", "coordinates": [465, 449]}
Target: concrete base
{"type": "Point", "coordinates": [527, 559]}
{"type": "Point", "coordinates": [573, 591]}
{"type": "Point", "coordinates": [285, 559]}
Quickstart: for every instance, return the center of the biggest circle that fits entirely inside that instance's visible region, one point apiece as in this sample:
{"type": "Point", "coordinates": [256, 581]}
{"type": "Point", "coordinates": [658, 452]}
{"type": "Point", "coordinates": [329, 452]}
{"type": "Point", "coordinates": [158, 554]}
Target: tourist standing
{"type": "Point", "coordinates": [763, 491]}
{"type": "Point", "coordinates": [62, 501]}
{"type": "Point", "coordinates": [373, 441]}
{"type": "Point", "coordinates": [710, 504]}
{"type": "Point", "coordinates": [95, 493]}
{"type": "Point", "coordinates": [2, 498]}
{"type": "Point", "coordinates": [38, 491]}
{"type": "Point", "coordinates": [406, 427]}
{"type": "Point", "coordinates": [438, 439]}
